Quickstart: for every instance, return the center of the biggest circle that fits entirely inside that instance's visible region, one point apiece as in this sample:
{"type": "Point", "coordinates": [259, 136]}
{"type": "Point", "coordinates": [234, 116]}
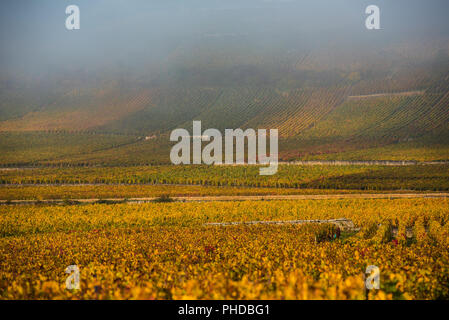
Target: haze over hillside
{"type": "Point", "coordinates": [309, 68]}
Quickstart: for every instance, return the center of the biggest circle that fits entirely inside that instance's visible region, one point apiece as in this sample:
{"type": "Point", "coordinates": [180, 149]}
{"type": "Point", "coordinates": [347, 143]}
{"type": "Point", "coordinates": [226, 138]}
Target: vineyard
{"type": "Point", "coordinates": [417, 177]}
{"type": "Point", "coordinates": [103, 127]}
{"type": "Point", "coordinates": [362, 174]}
{"type": "Point", "coordinates": [65, 192]}
{"type": "Point", "coordinates": [313, 124]}
{"type": "Point", "coordinates": [80, 110]}
{"type": "Point", "coordinates": [164, 251]}
{"type": "Point", "coordinates": [31, 147]}
{"type": "Point", "coordinates": [61, 148]}
{"type": "Point", "coordinates": [166, 109]}
{"type": "Point", "coordinates": [421, 151]}
{"type": "Point", "coordinates": [328, 102]}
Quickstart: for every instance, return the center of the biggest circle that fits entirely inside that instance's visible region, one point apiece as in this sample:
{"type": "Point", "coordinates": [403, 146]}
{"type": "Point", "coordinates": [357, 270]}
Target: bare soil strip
{"type": "Point", "coordinates": [402, 94]}
{"type": "Point", "coordinates": [237, 198]}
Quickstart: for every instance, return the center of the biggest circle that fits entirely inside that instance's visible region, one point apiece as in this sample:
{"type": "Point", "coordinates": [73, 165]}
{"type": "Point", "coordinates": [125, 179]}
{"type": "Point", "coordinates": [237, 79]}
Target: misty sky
{"type": "Point", "coordinates": [140, 32]}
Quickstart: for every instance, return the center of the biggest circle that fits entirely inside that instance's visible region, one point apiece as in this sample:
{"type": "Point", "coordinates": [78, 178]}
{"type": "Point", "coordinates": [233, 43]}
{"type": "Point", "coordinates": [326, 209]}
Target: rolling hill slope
{"type": "Point", "coordinates": [393, 103]}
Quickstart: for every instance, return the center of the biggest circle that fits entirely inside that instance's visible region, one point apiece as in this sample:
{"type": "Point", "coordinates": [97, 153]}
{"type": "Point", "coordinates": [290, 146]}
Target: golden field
{"type": "Point", "coordinates": [164, 250]}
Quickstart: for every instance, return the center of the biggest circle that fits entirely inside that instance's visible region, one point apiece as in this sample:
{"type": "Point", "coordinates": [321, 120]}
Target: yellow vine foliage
{"type": "Point", "coordinates": [165, 250]}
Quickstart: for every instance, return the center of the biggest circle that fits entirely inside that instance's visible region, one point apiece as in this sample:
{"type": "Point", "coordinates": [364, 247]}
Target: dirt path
{"type": "Point", "coordinates": [239, 198]}
{"type": "Point", "coordinates": [401, 94]}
